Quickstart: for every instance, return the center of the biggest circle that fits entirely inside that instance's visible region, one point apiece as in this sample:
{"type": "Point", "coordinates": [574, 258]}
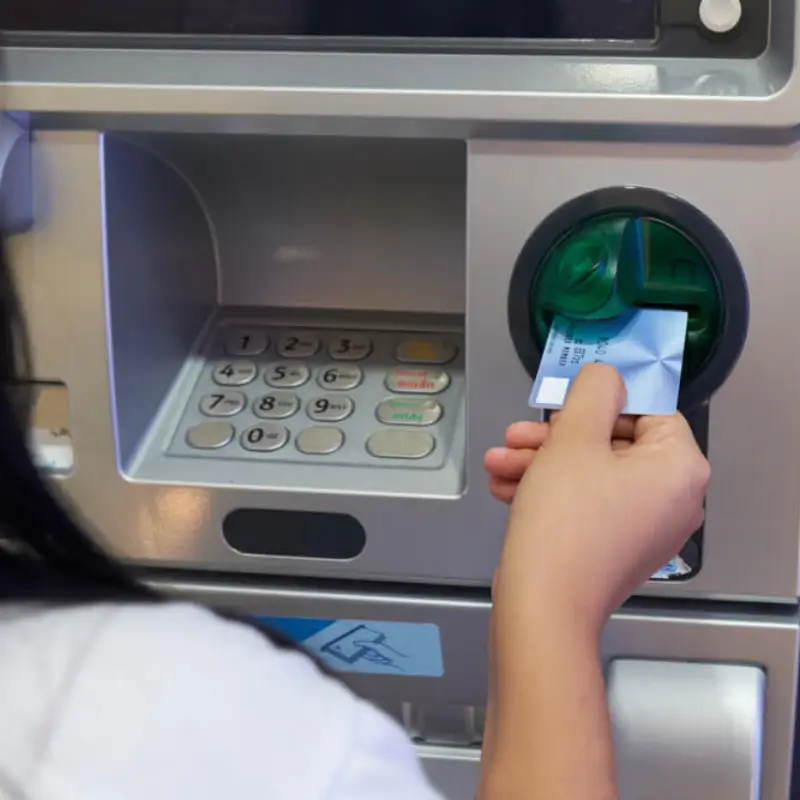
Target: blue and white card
{"type": "Point", "coordinates": [646, 346]}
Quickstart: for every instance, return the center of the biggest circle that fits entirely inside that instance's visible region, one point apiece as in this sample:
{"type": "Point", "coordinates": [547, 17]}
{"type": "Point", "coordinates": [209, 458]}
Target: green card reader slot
{"type": "Point", "coordinates": [610, 263]}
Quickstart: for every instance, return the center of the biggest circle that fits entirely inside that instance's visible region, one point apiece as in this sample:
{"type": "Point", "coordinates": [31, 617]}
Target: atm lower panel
{"type": "Point", "coordinates": [721, 683]}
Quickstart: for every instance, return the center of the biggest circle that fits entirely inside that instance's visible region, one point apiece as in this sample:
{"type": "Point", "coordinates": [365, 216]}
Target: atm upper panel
{"type": "Point", "coordinates": [707, 28]}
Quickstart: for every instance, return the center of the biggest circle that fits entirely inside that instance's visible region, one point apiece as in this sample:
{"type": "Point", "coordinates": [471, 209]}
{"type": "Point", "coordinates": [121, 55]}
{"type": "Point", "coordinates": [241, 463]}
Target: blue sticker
{"type": "Point", "coordinates": [367, 646]}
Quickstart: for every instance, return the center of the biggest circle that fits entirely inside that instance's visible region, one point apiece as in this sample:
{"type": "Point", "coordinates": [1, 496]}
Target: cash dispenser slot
{"type": "Point", "coordinates": [611, 251]}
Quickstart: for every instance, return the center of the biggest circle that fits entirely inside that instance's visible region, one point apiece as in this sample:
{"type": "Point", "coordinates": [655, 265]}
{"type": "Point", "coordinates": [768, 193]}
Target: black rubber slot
{"type": "Point", "coordinates": [649, 203]}
{"type": "Point", "coordinates": [294, 534]}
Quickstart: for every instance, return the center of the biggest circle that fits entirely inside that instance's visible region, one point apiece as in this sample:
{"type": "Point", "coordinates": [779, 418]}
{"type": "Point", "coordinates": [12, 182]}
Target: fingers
{"type": "Point", "coordinates": [593, 405]}
{"type": "Point", "coordinates": [507, 464]}
{"type": "Point", "coordinates": [524, 435]}
{"type": "Point", "coordinates": [502, 490]}
{"type": "Point", "coordinates": [624, 429]}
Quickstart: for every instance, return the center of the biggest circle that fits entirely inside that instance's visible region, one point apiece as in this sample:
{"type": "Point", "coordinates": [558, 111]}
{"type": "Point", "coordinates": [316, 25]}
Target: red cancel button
{"type": "Point", "coordinates": [417, 381]}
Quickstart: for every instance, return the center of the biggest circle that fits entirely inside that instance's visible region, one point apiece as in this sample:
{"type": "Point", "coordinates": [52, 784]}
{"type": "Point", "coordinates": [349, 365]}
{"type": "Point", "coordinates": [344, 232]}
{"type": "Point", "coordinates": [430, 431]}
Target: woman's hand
{"type": "Point", "coordinates": [600, 502]}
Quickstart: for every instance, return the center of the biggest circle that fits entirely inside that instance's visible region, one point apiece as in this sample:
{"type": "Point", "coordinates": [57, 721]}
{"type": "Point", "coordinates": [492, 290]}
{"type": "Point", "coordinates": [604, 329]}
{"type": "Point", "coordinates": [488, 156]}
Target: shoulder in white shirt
{"type": "Point", "coordinates": [170, 702]}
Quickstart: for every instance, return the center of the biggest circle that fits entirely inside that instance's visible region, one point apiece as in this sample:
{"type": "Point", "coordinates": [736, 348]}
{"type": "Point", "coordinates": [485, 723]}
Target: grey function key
{"type": "Point", "coordinates": [238, 372]}
{"type": "Point", "coordinates": [276, 405]}
{"type": "Point", "coordinates": [350, 347]}
{"type": "Point", "coordinates": [223, 403]}
{"type": "Point", "coordinates": [413, 411]}
{"type": "Point", "coordinates": [319, 441]}
{"type": "Point", "coordinates": [265, 438]}
{"type": "Point", "coordinates": [340, 379]}
{"type": "Point", "coordinates": [400, 444]}
{"type": "Point", "coordinates": [298, 345]}
{"type": "Point", "coordinates": [245, 341]}
{"type": "Point", "coordinates": [330, 409]}
{"type": "Point", "coordinates": [287, 376]}
{"type": "Point", "coordinates": [210, 435]}
{"type": "Point", "coordinates": [426, 351]}
{"type": "Point", "coordinates": [417, 380]}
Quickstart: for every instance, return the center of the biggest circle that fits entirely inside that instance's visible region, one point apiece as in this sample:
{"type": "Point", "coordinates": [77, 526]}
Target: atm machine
{"type": "Point", "coordinates": [289, 265]}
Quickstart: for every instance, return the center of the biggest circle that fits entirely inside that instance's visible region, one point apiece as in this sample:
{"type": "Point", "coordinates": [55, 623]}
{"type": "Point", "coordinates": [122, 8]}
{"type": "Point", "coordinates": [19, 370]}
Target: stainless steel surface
{"type": "Point", "coordinates": [666, 714]}
{"type": "Point", "coordinates": [751, 544]}
{"type": "Point", "coordinates": [767, 642]}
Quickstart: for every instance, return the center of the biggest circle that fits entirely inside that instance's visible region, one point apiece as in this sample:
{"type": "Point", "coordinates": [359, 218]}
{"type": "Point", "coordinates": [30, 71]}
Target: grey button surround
{"type": "Point", "coordinates": [298, 345]}
{"type": "Point", "coordinates": [426, 351]}
{"type": "Point", "coordinates": [287, 375]}
{"type": "Point", "coordinates": [330, 409]}
{"type": "Point", "coordinates": [244, 341]}
{"type": "Point", "coordinates": [276, 405]}
{"type": "Point", "coordinates": [223, 403]}
{"type": "Point", "coordinates": [350, 347]}
{"type": "Point", "coordinates": [236, 372]}
{"type": "Point", "coordinates": [266, 437]}
{"type": "Point", "coordinates": [409, 411]}
{"type": "Point", "coordinates": [400, 443]}
{"type": "Point", "coordinates": [340, 378]}
{"type": "Point", "coordinates": [210, 435]}
{"type": "Point", "coordinates": [417, 380]}
{"type": "Point", "coordinates": [319, 441]}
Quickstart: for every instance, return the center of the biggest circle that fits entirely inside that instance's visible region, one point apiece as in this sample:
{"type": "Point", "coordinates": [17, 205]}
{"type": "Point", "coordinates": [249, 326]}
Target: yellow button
{"type": "Point", "coordinates": [424, 351]}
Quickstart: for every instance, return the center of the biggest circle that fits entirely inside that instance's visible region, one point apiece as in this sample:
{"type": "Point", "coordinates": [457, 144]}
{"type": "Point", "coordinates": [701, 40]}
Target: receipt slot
{"type": "Point", "coordinates": [606, 252]}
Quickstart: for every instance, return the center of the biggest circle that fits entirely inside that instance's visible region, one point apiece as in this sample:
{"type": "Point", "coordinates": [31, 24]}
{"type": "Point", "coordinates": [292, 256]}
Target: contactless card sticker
{"type": "Point", "coordinates": [646, 346]}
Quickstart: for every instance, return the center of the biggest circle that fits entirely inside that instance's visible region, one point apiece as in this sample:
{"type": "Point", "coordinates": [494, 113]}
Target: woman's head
{"type": "Point", "coordinates": [44, 553]}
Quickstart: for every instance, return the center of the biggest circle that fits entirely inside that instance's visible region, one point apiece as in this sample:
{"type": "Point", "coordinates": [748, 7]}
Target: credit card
{"type": "Point", "coordinates": [646, 346]}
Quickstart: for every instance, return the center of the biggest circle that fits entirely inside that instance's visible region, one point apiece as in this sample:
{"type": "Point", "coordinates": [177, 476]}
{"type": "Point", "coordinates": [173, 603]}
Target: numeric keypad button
{"type": "Point", "coordinates": [210, 435]}
{"type": "Point", "coordinates": [222, 404]}
{"type": "Point", "coordinates": [265, 438]}
{"type": "Point", "coordinates": [330, 409]}
{"type": "Point", "coordinates": [287, 376]}
{"type": "Point", "coordinates": [276, 405]}
{"type": "Point", "coordinates": [350, 348]}
{"type": "Point", "coordinates": [400, 444]}
{"type": "Point", "coordinates": [246, 341]}
{"type": "Point", "coordinates": [340, 379]}
{"type": "Point", "coordinates": [298, 345]}
{"type": "Point", "coordinates": [319, 441]}
{"type": "Point", "coordinates": [238, 372]}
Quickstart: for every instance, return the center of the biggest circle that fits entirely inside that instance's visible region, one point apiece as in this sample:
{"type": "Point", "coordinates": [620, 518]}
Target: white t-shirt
{"type": "Point", "coordinates": [171, 703]}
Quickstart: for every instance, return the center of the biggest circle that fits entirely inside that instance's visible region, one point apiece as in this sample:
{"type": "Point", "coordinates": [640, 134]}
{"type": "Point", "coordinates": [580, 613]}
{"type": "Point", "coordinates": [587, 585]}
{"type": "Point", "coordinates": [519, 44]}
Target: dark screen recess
{"type": "Point", "coordinates": [381, 19]}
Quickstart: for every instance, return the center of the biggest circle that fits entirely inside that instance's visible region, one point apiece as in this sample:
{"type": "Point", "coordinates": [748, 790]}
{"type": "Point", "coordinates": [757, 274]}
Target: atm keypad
{"type": "Point", "coordinates": [298, 345]}
{"type": "Point", "coordinates": [210, 435]}
{"type": "Point", "coordinates": [340, 379]}
{"type": "Point", "coordinates": [288, 375]}
{"type": "Point", "coordinates": [347, 398]}
{"type": "Point", "coordinates": [330, 409]}
{"type": "Point", "coordinates": [235, 373]}
{"type": "Point", "coordinates": [265, 438]}
{"type": "Point", "coordinates": [319, 441]}
{"type": "Point", "coordinates": [350, 347]}
{"type": "Point", "coordinates": [246, 341]}
{"type": "Point", "coordinates": [276, 405]}
{"type": "Point", "coordinates": [223, 403]}
{"type": "Point", "coordinates": [413, 380]}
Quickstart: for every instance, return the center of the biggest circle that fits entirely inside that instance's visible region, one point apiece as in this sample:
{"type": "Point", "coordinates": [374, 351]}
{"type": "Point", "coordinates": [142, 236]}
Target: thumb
{"type": "Point", "coordinates": [593, 406]}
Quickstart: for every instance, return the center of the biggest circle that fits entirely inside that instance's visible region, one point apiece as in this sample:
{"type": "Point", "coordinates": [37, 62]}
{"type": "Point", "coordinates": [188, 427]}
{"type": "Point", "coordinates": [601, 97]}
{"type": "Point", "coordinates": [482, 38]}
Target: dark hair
{"type": "Point", "coordinates": [46, 555]}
